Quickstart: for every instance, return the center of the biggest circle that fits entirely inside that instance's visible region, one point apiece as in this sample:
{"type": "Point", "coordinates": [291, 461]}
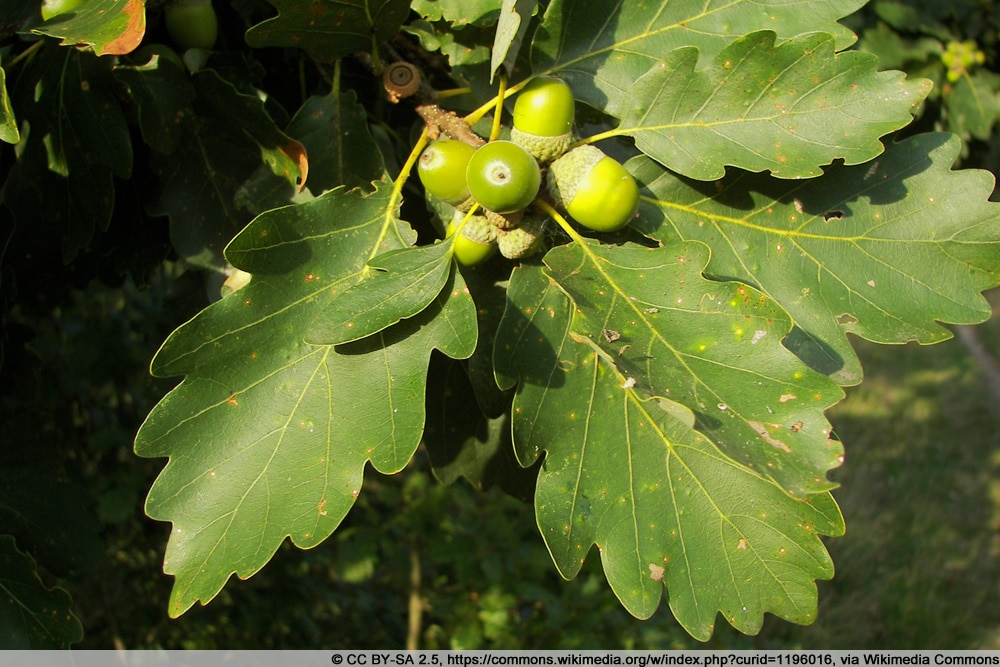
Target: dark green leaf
{"type": "Point", "coordinates": [163, 94]}
{"type": "Point", "coordinates": [328, 29]}
{"type": "Point", "coordinates": [974, 104]}
{"type": "Point", "coordinates": [788, 108]}
{"type": "Point", "coordinates": [885, 250]}
{"type": "Point", "coordinates": [32, 616]}
{"type": "Point", "coordinates": [515, 15]}
{"type": "Point", "coordinates": [268, 436]}
{"type": "Point", "coordinates": [334, 130]}
{"type": "Point", "coordinates": [459, 12]}
{"type": "Point", "coordinates": [227, 138]}
{"type": "Point", "coordinates": [395, 285]}
{"type": "Point", "coordinates": [74, 140]}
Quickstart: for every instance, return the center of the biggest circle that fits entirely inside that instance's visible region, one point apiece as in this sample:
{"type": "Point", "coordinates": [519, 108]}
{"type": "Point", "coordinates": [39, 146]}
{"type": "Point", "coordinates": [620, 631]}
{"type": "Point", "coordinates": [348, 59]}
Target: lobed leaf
{"type": "Point", "coordinates": [631, 474]}
{"type": "Point", "coordinates": [268, 436]}
{"type": "Point", "coordinates": [885, 250]}
{"type": "Point", "coordinates": [328, 29]}
{"type": "Point", "coordinates": [788, 108]}
{"type": "Point", "coordinates": [601, 47]}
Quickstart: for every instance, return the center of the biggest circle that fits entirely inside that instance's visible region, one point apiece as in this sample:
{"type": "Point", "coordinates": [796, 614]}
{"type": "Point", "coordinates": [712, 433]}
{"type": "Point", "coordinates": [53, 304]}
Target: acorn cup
{"type": "Point", "coordinates": [524, 240]}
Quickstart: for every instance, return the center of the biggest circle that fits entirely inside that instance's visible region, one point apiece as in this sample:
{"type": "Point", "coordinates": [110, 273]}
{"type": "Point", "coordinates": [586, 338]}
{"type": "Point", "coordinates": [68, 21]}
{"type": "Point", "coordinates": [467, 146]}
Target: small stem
{"type": "Point", "coordinates": [453, 92]}
{"type": "Point", "coordinates": [498, 110]}
{"type": "Point", "coordinates": [558, 217]}
{"type": "Point", "coordinates": [598, 137]}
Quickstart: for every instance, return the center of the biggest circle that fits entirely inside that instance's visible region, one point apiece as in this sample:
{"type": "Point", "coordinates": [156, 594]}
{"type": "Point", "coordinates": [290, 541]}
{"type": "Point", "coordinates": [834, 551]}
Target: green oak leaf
{"type": "Point", "coordinates": [788, 108]}
{"type": "Point", "coordinates": [227, 137]}
{"type": "Point", "coordinates": [32, 615]}
{"type": "Point", "coordinates": [515, 15]}
{"type": "Point", "coordinates": [268, 436]}
{"type": "Point", "coordinates": [665, 507]}
{"type": "Point", "coordinates": [602, 46]}
{"type": "Point", "coordinates": [885, 250]}
{"type": "Point", "coordinates": [328, 29]}
{"type": "Point", "coordinates": [333, 128]}
{"type": "Point", "coordinates": [109, 27]}
{"type": "Point", "coordinates": [163, 94]}
{"type": "Point", "coordinates": [396, 285]}
{"type": "Point", "coordinates": [714, 347]}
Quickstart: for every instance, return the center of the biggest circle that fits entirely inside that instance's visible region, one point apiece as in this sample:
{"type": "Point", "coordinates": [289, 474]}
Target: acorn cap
{"type": "Point", "coordinates": [478, 229]}
{"type": "Point", "coordinates": [543, 149]}
{"type": "Point", "coordinates": [566, 173]}
{"type": "Point", "coordinates": [523, 240]}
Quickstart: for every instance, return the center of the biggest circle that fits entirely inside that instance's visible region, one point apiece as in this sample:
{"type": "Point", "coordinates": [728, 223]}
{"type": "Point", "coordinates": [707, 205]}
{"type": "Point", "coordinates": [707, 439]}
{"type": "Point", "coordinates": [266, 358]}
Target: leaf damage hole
{"type": "Point", "coordinates": [833, 215]}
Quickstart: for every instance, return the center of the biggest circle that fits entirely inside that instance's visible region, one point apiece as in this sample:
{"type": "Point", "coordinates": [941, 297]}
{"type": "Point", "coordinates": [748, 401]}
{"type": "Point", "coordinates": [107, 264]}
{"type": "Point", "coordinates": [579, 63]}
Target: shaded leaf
{"type": "Point", "coordinates": [515, 15]}
{"type": "Point", "coordinates": [334, 130]}
{"type": "Point", "coordinates": [788, 108]}
{"type": "Point", "coordinates": [885, 250]}
{"type": "Point", "coordinates": [109, 27]}
{"type": "Point", "coordinates": [32, 616]}
{"type": "Point", "coordinates": [403, 283]}
{"type": "Point", "coordinates": [601, 47]}
{"type": "Point", "coordinates": [74, 139]}
{"type": "Point", "coordinates": [228, 136]}
{"type": "Point", "coordinates": [163, 94]}
{"type": "Point", "coordinates": [268, 436]}
{"type": "Point", "coordinates": [664, 506]}
{"type": "Point", "coordinates": [328, 29]}
{"type": "Point", "coordinates": [8, 123]}
{"type": "Point", "coordinates": [461, 441]}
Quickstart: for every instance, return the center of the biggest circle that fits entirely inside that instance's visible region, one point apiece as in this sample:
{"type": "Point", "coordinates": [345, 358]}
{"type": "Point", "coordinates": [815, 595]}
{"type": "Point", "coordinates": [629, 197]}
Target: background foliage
{"type": "Point", "coordinates": [105, 271]}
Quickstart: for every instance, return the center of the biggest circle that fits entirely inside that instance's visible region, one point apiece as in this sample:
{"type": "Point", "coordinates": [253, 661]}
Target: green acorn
{"type": "Point", "coordinates": [543, 118]}
{"type": "Point", "coordinates": [477, 242]}
{"type": "Point", "coordinates": [524, 240]}
{"type": "Point", "coordinates": [593, 188]}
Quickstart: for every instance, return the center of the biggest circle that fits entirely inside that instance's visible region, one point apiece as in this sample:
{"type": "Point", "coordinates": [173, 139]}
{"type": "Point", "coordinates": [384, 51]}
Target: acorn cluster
{"type": "Point", "coordinates": [505, 176]}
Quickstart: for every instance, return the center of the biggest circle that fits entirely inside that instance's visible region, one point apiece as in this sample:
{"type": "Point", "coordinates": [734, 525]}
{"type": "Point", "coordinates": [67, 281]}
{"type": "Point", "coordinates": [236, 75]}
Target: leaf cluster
{"type": "Point", "coordinates": [659, 394]}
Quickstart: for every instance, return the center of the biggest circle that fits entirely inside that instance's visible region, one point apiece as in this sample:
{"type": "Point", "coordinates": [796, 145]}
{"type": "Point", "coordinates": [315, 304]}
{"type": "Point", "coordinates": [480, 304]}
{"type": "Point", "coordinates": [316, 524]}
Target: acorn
{"type": "Point", "coordinates": [477, 241]}
{"type": "Point", "coordinates": [593, 188]}
{"type": "Point", "coordinates": [503, 177]}
{"type": "Point", "coordinates": [442, 167]}
{"type": "Point", "coordinates": [524, 240]}
{"type": "Point", "coordinates": [543, 118]}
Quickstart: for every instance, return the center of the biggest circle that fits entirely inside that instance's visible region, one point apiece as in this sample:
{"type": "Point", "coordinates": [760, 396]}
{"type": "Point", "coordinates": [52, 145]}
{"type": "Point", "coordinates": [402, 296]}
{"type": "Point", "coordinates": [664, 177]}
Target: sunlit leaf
{"type": "Point", "coordinates": [885, 250]}
{"type": "Point", "coordinates": [788, 108]}
{"type": "Point", "coordinates": [601, 46]}
{"type": "Point", "coordinates": [631, 475]}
